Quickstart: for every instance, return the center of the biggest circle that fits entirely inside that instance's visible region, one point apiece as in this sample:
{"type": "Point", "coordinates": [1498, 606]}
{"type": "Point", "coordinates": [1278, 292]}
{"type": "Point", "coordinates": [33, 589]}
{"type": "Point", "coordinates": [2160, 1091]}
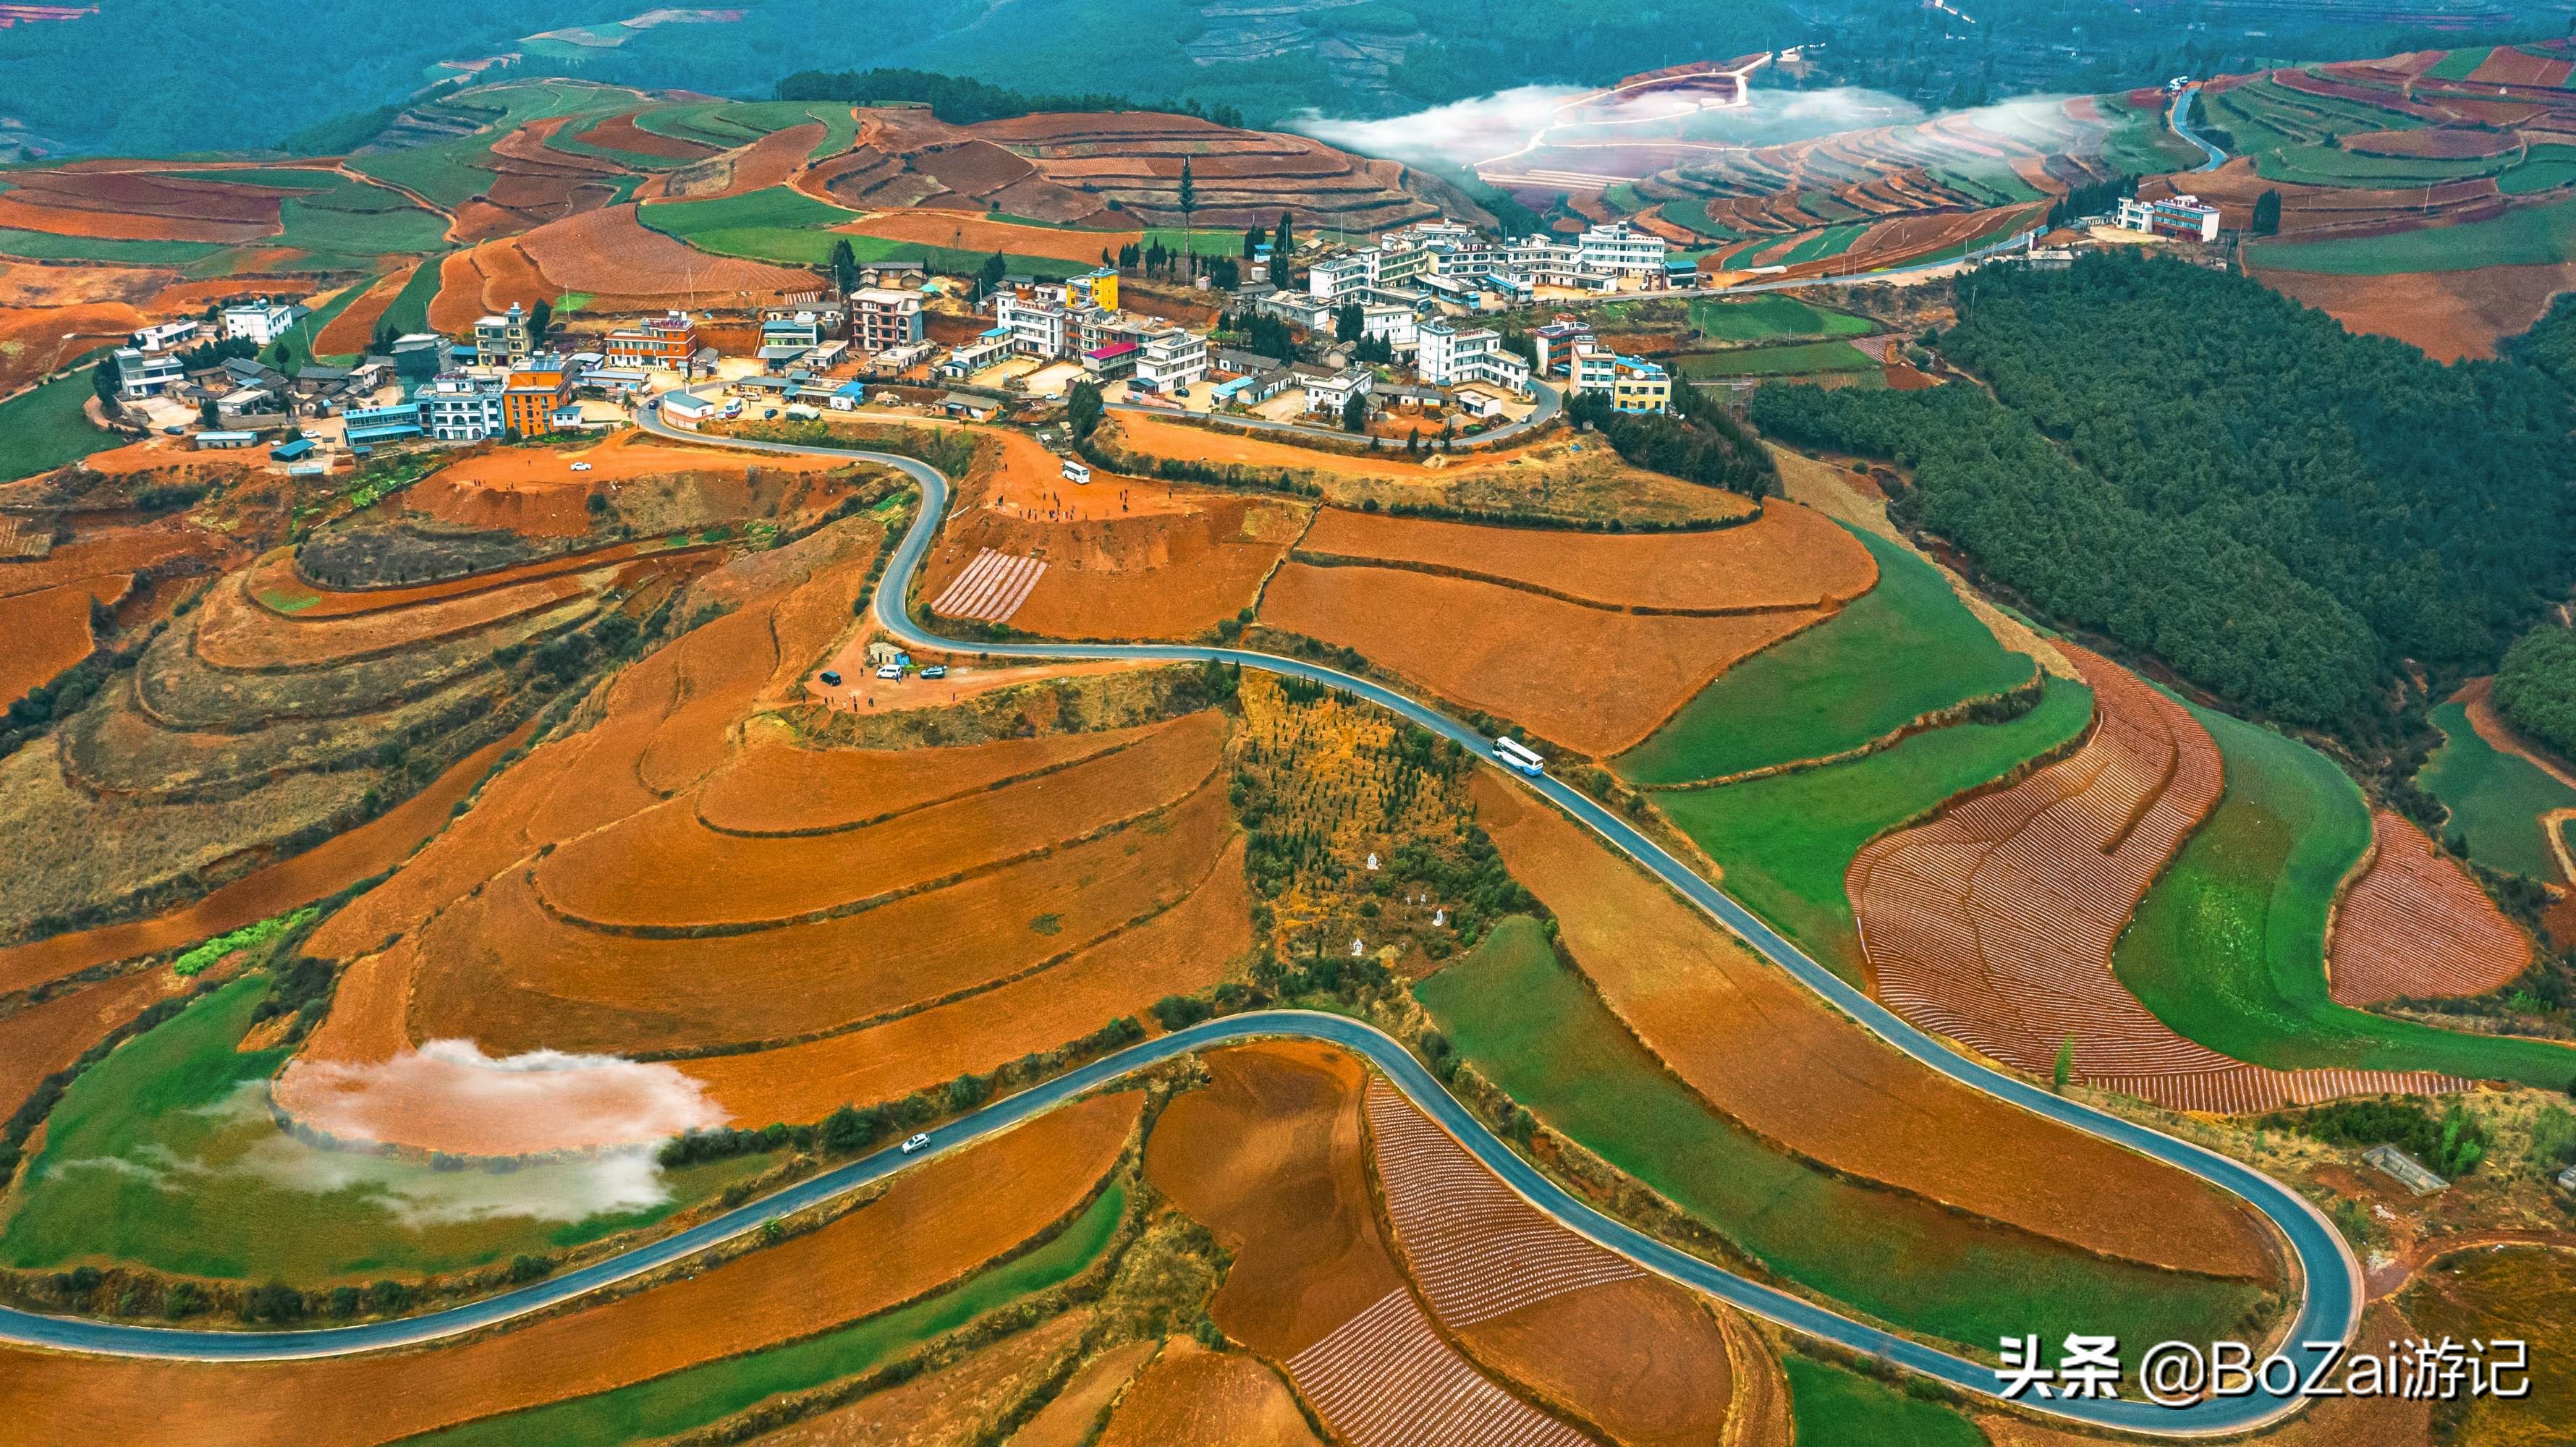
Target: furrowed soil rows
{"type": "Point", "coordinates": [38, 1040]}
{"type": "Point", "coordinates": [2415, 925]}
{"type": "Point", "coordinates": [1073, 1416]}
{"type": "Point", "coordinates": [773, 160]}
{"type": "Point", "coordinates": [1763, 1051]}
{"type": "Point", "coordinates": [1270, 1157]}
{"type": "Point", "coordinates": [1788, 558]}
{"type": "Point", "coordinates": [514, 979]}
{"type": "Point", "coordinates": [1183, 950]}
{"type": "Point", "coordinates": [664, 869]}
{"type": "Point", "coordinates": [48, 631]}
{"type": "Point", "coordinates": [972, 233]}
{"type": "Point", "coordinates": [1994, 922]}
{"type": "Point", "coordinates": [354, 329]}
{"type": "Point", "coordinates": [788, 791]}
{"type": "Point", "coordinates": [235, 632]}
{"type": "Point", "coordinates": [611, 254]}
{"type": "Point", "coordinates": [946, 1406]}
{"type": "Point", "coordinates": [1476, 643]}
{"type": "Point", "coordinates": [935, 1223]}
{"type": "Point", "coordinates": [1629, 1352]}
{"type": "Point", "coordinates": [1191, 1394]}
{"type": "Point", "coordinates": [1164, 574]}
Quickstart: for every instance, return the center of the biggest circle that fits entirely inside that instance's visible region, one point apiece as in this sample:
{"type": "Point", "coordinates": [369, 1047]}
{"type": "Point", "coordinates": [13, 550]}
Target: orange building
{"type": "Point", "coordinates": [664, 342]}
{"type": "Point", "coordinates": [536, 390]}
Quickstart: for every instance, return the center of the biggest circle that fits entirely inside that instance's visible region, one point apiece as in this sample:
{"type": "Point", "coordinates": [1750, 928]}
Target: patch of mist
{"type": "Point", "coordinates": [1463, 133]}
{"type": "Point", "coordinates": [514, 1105]}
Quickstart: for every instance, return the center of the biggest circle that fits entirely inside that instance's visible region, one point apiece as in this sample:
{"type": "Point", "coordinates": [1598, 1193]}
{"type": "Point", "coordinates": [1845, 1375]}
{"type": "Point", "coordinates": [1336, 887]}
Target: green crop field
{"type": "Point", "coordinates": [2495, 798]}
{"type": "Point", "coordinates": [1691, 214]}
{"type": "Point", "coordinates": [2140, 143]}
{"type": "Point", "coordinates": [1988, 183]}
{"type": "Point", "coordinates": [779, 224]}
{"type": "Point", "coordinates": [2228, 947]}
{"type": "Point", "coordinates": [1772, 317]}
{"type": "Point", "coordinates": [43, 429]}
{"type": "Point", "coordinates": [445, 173]}
{"type": "Point", "coordinates": [1831, 242]}
{"type": "Point", "coordinates": [1832, 1407]}
{"type": "Point", "coordinates": [2326, 166]}
{"type": "Point", "coordinates": [1905, 648]}
{"type": "Point", "coordinates": [410, 309]}
{"type": "Point", "coordinates": [46, 246]}
{"type": "Point", "coordinates": [702, 1394]}
{"type": "Point", "coordinates": [1535, 1029]}
{"type": "Point", "coordinates": [2459, 63]}
{"type": "Point", "coordinates": [2524, 236]}
{"type": "Point", "coordinates": [164, 1155]}
{"type": "Point", "coordinates": [1784, 361]}
{"type": "Point", "coordinates": [1786, 840]}
{"type": "Point", "coordinates": [2542, 168]}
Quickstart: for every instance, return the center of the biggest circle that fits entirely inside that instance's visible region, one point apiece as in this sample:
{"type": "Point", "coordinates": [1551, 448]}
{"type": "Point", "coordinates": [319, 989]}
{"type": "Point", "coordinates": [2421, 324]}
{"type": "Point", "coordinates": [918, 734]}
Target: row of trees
{"type": "Point", "coordinates": [2535, 687]}
{"type": "Point", "coordinates": [2206, 470]}
{"type": "Point", "coordinates": [962, 101]}
{"type": "Point", "coordinates": [1697, 443]}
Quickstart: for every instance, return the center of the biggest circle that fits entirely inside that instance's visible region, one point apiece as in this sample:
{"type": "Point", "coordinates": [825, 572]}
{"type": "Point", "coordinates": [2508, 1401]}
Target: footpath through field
{"type": "Point", "coordinates": [2330, 1308]}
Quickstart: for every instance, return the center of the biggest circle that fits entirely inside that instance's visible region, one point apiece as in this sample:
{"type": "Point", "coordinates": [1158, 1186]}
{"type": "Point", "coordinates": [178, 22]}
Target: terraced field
{"type": "Point", "coordinates": [2496, 800]}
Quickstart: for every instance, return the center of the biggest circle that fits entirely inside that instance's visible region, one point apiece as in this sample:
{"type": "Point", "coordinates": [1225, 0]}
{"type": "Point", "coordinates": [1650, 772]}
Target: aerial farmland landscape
{"type": "Point", "coordinates": [1351, 723]}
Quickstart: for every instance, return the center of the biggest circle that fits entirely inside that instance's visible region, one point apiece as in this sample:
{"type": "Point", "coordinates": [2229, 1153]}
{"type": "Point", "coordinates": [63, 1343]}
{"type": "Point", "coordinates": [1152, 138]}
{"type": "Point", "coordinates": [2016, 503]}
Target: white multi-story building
{"type": "Point", "coordinates": [1330, 394]}
{"type": "Point", "coordinates": [1619, 249]}
{"type": "Point", "coordinates": [1451, 357]}
{"type": "Point", "coordinates": [260, 322]}
{"type": "Point", "coordinates": [1632, 384]}
{"type": "Point", "coordinates": [165, 336]}
{"type": "Point", "coordinates": [1336, 277]}
{"type": "Point", "coordinates": [2179, 216]}
{"type": "Point", "coordinates": [455, 407]}
{"type": "Point", "coordinates": [141, 374]}
{"type": "Point", "coordinates": [1171, 360]}
{"type": "Point", "coordinates": [1397, 326]}
{"type": "Point", "coordinates": [1039, 324]}
{"type": "Point", "coordinates": [884, 318]}
{"type": "Point", "coordinates": [1399, 260]}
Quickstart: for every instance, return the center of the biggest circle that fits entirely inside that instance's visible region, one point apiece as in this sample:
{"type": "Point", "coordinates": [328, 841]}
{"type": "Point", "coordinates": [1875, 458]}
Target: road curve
{"type": "Point", "coordinates": [2329, 1308]}
{"type": "Point", "coordinates": [2182, 128]}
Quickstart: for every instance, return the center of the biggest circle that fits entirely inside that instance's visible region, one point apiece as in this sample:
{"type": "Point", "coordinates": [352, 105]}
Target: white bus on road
{"type": "Point", "coordinates": [1076, 472]}
{"type": "Point", "coordinates": [1516, 755]}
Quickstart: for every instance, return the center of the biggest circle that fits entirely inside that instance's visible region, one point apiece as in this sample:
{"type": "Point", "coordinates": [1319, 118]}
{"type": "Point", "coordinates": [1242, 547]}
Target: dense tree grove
{"type": "Point", "coordinates": [1707, 447]}
{"type": "Point", "coordinates": [2550, 345]}
{"type": "Point", "coordinates": [2535, 689]}
{"type": "Point", "coordinates": [2205, 470]}
{"type": "Point", "coordinates": [961, 101]}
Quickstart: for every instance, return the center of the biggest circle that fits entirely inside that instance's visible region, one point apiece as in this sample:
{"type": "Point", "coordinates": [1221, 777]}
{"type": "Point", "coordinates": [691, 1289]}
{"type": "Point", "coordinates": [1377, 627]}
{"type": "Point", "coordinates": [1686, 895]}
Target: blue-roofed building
{"type": "Point", "coordinates": [383, 424]}
{"type": "Point", "coordinates": [290, 451]}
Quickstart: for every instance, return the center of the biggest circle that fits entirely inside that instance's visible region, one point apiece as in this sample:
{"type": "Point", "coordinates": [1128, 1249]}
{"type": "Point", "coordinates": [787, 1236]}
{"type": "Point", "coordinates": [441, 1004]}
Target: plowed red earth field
{"type": "Point", "coordinates": [1209, 1399]}
{"type": "Point", "coordinates": [40, 1039]}
{"type": "Point", "coordinates": [1766, 1052]}
{"type": "Point", "coordinates": [354, 329]}
{"type": "Point", "coordinates": [1161, 575]}
{"type": "Point", "coordinates": [950, 1405]}
{"type": "Point", "coordinates": [2415, 925]}
{"type": "Point", "coordinates": [1631, 1353]}
{"type": "Point", "coordinates": [788, 791]}
{"type": "Point", "coordinates": [1270, 1156]}
{"type": "Point", "coordinates": [237, 632]}
{"type": "Point", "coordinates": [935, 1223]}
{"type": "Point", "coordinates": [610, 253]}
{"type": "Point", "coordinates": [1585, 677]}
{"type": "Point", "coordinates": [967, 230]}
{"type": "Point", "coordinates": [1072, 1417]}
{"type": "Point", "coordinates": [1994, 922]}
{"type": "Point", "coordinates": [33, 340]}
{"type": "Point", "coordinates": [772, 160]}
{"type": "Point", "coordinates": [48, 630]}
{"type": "Point", "coordinates": [2449, 314]}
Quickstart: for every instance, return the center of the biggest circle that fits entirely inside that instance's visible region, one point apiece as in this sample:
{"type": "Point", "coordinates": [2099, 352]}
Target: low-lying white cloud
{"type": "Point", "coordinates": [1466, 132]}
{"type": "Point", "coordinates": [448, 1095]}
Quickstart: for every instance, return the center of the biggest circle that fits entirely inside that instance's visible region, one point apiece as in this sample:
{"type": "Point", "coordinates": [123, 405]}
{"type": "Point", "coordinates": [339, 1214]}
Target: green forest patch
{"type": "Point", "coordinates": [698, 1395]}
{"type": "Point", "coordinates": [1832, 1407]}
{"type": "Point", "coordinates": [48, 427]}
{"type": "Point", "coordinates": [2495, 799]}
{"type": "Point", "coordinates": [2228, 947]}
{"type": "Point", "coordinates": [1786, 840]}
{"type": "Point", "coordinates": [1906, 648]}
{"type": "Point", "coordinates": [164, 1155]}
{"type": "Point", "coordinates": [1534, 1028]}
{"type": "Point", "coordinates": [1772, 317]}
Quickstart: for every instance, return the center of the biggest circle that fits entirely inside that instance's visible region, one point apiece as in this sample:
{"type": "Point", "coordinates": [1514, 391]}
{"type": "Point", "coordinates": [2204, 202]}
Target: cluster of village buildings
{"type": "Point", "coordinates": [1417, 294]}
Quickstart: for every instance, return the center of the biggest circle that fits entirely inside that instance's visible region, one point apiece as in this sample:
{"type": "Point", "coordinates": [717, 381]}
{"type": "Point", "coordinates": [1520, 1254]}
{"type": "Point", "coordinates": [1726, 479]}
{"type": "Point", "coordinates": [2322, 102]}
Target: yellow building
{"type": "Point", "coordinates": [1094, 288]}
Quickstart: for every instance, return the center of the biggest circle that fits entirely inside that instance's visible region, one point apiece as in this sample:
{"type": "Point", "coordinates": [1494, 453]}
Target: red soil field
{"type": "Point", "coordinates": [237, 633]}
{"type": "Point", "coordinates": [610, 253]}
{"type": "Point", "coordinates": [772, 160]}
{"type": "Point", "coordinates": [935, 1223]}
{"type": "Point", "coordinates": [2415, 925]}
{"type": "Point", "coordinates": [1270, 1157]}
{"type": "Point", "coordinates": [1209, 1399]}
{"type": "Point", "coordinates": [533, 490]}
{"type": "Point", "coordinates": [972, 232]}
{"type": "Point", "coordinates": [1164, 574]}
{"type": "Point", "coordinates": [25, 215]}
{"type": "Point", "coordinates": [514, 979]}
{"type": "Point", "coordinates": [28, 285]}
{"type": "Point", "coordinates": [112, 549]}
{"type": "Point", "coordinates": [620, 133]}
{"type": "Point", "coordinates": [1618, 675]}
{"type": "Point", "coordinates": [663, 869]}
{"type": "Point", "coordinates": [1183, 950]}
{"type": "Point", "coordinates": [1069, 1417]}
{"type": "Point", "coordinates": [274, 578]}
{"type": "Point", "coordinates": [1789, 557]}
{"type": "Point", "coordinates": [2451, 315]}
{"type": "Point", "coordinates": [1760, 1048]}
{"type": "Point", "coordinates": [1634, 1354]}
{"type": "Point", "coordinates": [2508, 65]}
{"type": "Point", "coordinates": [48, 631]}
{"type": "Point", "coordinates": [337, 862]}
{"type": "Point", "coordinates": [2444, 142]}
{"type": "Point", "coordinates": [460, 293]}
{"type": "Point", "coordinates": [788, 791]}
{"type": "Point", "coordinates": [33, 340]}
{"type": "Point", "coordinates": [38, 1040]}
{"type": "Point", "coordinates": [1993, 923]}
{"type": "Point", "coordinates": [950, 1405]}
{"type": "Point", "coordinates": [1155, 437]}
{"type": "Point", "coordinates": [354, 329]}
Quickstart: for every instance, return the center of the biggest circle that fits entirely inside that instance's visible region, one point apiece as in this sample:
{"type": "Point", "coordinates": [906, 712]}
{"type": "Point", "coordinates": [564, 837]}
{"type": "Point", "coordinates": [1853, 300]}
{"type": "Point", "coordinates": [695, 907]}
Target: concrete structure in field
{"type": "Point", "coordinates": [883, 319]}
{"type": "Point", "coordinates": [665, 343]}
{"type": "Point", "coordinates": [2178, 216]}
{"type": "Point", "coordinates": [1171, 360]}
{"type": "Point", "coordinates": [1632, 384]}
{"type": "Point", "coordinates": [2405, 1170]}
{"type": "Point", "coordinates": [142, 374]}
{"type": "Point", "coordinates": [260, 322]}
{"type": "Point", "coordinates": [504, 340]}
{"type": "Point", "coordinates": [458, 407]}
{"type": "Point", "coordinates": [1450, 356]}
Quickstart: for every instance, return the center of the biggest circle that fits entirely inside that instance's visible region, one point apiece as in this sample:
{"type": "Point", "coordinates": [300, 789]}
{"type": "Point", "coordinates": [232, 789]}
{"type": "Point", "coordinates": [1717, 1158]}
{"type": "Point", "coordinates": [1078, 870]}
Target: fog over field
{"type": "Point", "coordinates": [1465, 132]}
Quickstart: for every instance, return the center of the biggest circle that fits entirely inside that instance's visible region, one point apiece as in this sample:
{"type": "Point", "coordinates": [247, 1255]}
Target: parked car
{"type": "Point", "coordinates": [891, 670]}
{"type": "Point", "coordinates": [831, 679]}
{"type": "Point", "coordinates": [772, 412]}
{"type": "Point", "coordinates": [916, 1143]}
{"type": "Point", "coordinates": [581, 467]}
{"type": "Point", "coordinates": [936, 670]}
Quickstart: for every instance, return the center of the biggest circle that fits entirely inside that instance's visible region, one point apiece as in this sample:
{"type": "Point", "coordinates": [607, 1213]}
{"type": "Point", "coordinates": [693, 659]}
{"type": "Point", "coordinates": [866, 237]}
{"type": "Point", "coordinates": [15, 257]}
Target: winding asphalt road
{"type": "Point", "coordinates": [2328, 1310]}
{"type": "Point", "coordinates": [2182, 128]}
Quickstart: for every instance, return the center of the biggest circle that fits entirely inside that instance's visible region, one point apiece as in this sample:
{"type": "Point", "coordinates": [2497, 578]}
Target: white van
{"type": "Point", "coordinates": [1075, 472]}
